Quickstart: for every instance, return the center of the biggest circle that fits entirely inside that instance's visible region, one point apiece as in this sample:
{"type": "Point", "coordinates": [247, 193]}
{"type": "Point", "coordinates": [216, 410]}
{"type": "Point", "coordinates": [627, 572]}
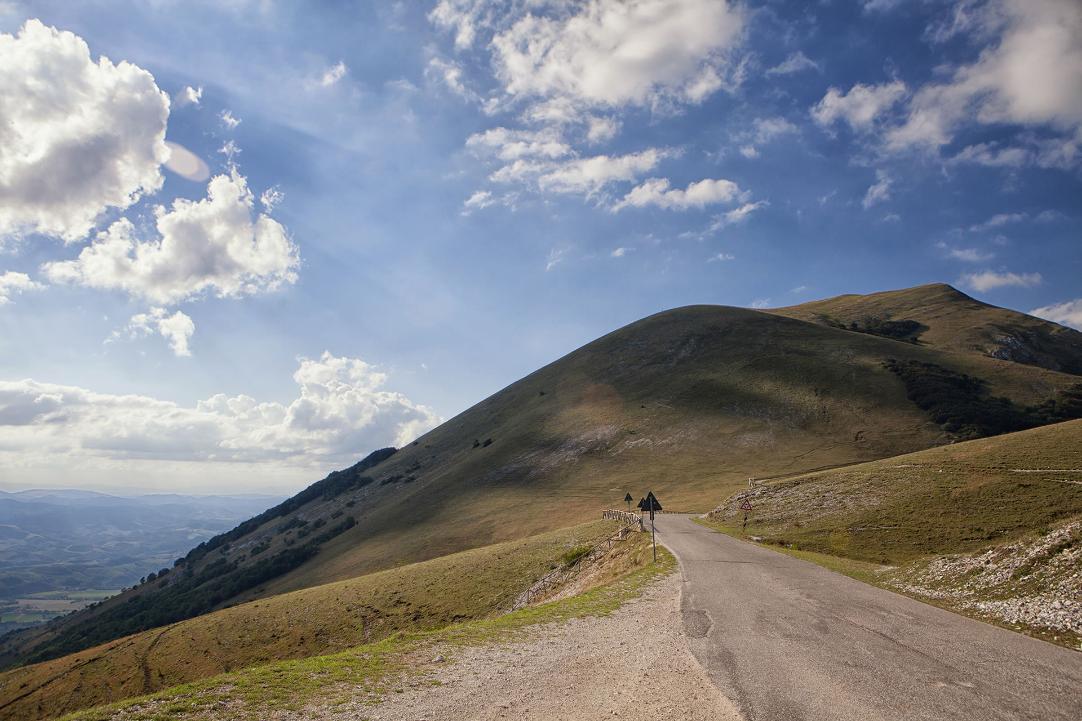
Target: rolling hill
{"type": "Point", "coordinates": [943, 317]}
{"type": "Point", "coordinates": [992, 527]}
{"type": "Point", "coordinates": [689, 402]}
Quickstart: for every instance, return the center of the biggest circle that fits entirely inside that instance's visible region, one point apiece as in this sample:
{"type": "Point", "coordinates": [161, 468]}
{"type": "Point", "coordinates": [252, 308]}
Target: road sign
{"type": "Point", "coordinates": [642, 504]}
{"type": "Point", "coordinates": [628, 499]}
{"type": "Point", "coordinates": [650, 504]}
{"type": "Point", "coordinates": [746, 505]}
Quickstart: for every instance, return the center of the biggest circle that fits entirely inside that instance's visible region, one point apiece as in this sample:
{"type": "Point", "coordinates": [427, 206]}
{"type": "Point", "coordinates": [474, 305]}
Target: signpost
{"type": "Point", "coordinates": [745, 507]}
{"type": "Point", "coordinates": [628, 499]}
{"type": "Point", "coordinates": [650, 504]}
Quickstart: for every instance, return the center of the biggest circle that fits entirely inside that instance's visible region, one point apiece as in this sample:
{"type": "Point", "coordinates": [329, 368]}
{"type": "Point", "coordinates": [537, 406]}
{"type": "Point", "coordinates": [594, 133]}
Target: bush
{"type": "Point", "coordinates": [574, 555]}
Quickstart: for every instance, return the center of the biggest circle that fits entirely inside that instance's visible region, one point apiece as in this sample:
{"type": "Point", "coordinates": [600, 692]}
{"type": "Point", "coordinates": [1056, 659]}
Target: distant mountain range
{"type": "Point", "coordinates": [73, 540]}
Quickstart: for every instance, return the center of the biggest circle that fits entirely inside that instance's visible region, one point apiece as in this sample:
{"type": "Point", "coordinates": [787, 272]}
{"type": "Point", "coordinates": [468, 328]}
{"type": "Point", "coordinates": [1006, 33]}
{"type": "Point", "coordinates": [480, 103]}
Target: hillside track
{"type": "Point", "coordinates": [789, 640]}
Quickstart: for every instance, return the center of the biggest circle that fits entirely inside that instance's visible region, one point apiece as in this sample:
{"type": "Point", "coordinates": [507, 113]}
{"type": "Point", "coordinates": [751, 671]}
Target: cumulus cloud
{"type": "Point", "coordinates": [12, 283]}
{"type": "Point", "coordinates": [177, 328]}
{"type": "Point", "coordinates": [510, 145]}
{"type": "Point", "coordinates": [860, 107]}
{"type": "Point", "coordinates": [188, 96]}
{"type": "Point", "coordinates": [738, 215]}
{"type": "Point", "coordinates": [620, 252]}
{"type": "Point", "coordinates": [215, 245]}
{"type": "Point", "coordinates": [450, 75]}
{"type": "Point", "coordinates": [341, 411]}
{"type": "Point", "coordinates": [590, 175]}
{"type": "Point", "coordinates": [77, 137]}
{"type": "Point", "coordinates": [990, 280]}
{"type": "Point", "coordinates": [566, 71]}
{"type": "Point", "coordinates": [1027, 75]}
{"type": "Point", "coordinates": [878, 191]}
{"type": "Point", "coordinates": [1068, 313]}
{"type": "Point", "coordinates": [968, 255]}
{"type": "Point", "coordinates": [614, 53]}
{"type": "Point", "coordinates": [763, 131]}
{"type": "Point", "coordinates": [657, 191]}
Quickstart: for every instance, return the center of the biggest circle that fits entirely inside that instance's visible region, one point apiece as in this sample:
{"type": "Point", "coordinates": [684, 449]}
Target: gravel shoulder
{"type": "Point", "coordinates": [631, 664]}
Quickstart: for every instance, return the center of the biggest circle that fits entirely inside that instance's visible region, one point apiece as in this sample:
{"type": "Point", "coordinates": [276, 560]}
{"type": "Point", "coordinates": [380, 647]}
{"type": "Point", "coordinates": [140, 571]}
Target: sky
{"type": "Point", "coordinates": [245, 242]}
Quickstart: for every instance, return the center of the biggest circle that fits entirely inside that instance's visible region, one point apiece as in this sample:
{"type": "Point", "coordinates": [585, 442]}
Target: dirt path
{"type": "Point", "coordinates": [634, 664]}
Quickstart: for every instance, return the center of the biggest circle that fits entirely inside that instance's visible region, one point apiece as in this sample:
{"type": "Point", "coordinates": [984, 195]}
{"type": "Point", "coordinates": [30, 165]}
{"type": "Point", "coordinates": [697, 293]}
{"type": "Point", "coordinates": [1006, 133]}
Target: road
{"type": "Point", "coordinates": [788, 640]}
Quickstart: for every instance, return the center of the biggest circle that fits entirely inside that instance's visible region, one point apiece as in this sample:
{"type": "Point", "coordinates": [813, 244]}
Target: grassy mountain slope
{"type": "Point", "coordinates": [689, 402]}
{"type": "Point", "coordinates": [325, 619]}
{"type": "Point", "coordinates": [992, 527]}
{"type": "Point", "coordinates": [946, 318]}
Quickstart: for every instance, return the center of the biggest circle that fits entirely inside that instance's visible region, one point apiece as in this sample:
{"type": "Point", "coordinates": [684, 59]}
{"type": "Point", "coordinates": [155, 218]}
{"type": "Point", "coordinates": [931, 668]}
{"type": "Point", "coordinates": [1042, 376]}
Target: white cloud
{"type": "Point", "coordinates": [510, 145]}
{"type": "Point", "coordinates": [860, 107]}
{"type": "Point", "coordinates": [992, 156]}
{"type": "Point", "coordinates": [762, 131]}
{"type": "Point", "coordinates": [880, 5]}
{"type": "Point", "coordinates": [720, 258]}
{"type": "Point", "coordinates": [12, 283]}
{"type": "Point", "coordinates": [738, 215]}
{"type": "Point", "coordinates": [656, 191]}
{"type": "Point", "coordinates": [341, 411]}
{"type": "Point", "coordinates": [555, 257]}
{"type": "Point", "coordinates": [450, 75]}
{"type": "Point", "coordinates": [795, 63]}
{"type": "Point", "coordinates": [970, 255]}
{"type": "Point", "coordinates": [77, 137]}
{"type": "Point", "coordinates": [1028, 75]}
{"type": "Point", "coordinates": [997, 221]}
{"type": "Point", "coordinates": [188, 96]}
{"type": "Point", "coordinates": [620, 252]}
{"type": "Point", "coordinates": [990, 280]}
{"type": "Point", "coordinates": [333, 74]}
{"type": "Point", "coordinates": [600, 129]}
{"type": "Point", "coordinates": [878, 191]}
{"type": "Point", "coordinates": [614, 53]}
{"type": "Point", "coordinates": [480, 200]}
{"type": "Point", "coordinates": [177, 328]}
{"type": "Point", "coordinates": [229, 120]}
{"type": "Point", "coordinates": [760, 303]}
{"type": "Point", "coordinates": [590, 175]}
{"type": "Point", "coordinates": [217, 245]}
{"type": "Point", "coordinates": [1068, 313]}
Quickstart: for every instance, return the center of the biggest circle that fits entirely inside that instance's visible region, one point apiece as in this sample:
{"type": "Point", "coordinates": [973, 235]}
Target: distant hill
{"type": "Point", "coordinates": [57, 541]}
{"type": "Point", "coordinates": [942, 317]}
{"type": "Point", "coordinates": [689, 403]}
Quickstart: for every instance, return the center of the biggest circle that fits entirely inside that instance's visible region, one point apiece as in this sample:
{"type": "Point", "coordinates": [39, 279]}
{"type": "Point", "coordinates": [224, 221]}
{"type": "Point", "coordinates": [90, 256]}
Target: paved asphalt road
{"type": "Point", "coordinates": [788, 640]}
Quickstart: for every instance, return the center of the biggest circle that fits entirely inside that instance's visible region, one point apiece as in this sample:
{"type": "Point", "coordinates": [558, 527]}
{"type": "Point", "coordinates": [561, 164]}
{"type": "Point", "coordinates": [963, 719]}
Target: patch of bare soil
{"type": "Point", "coordinates": [633, 664]}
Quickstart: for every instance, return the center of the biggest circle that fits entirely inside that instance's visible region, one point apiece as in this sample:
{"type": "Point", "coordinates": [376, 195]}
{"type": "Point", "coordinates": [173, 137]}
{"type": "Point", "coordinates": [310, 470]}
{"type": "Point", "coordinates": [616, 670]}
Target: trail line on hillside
{"type": "Point", "coordinates": [792, 640]}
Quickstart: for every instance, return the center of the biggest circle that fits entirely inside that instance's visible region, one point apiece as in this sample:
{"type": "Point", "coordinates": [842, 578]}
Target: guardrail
{"type": "Point", "coordinates": [631, 522]}
{"type": "Point", "coordinates": [628, 519]}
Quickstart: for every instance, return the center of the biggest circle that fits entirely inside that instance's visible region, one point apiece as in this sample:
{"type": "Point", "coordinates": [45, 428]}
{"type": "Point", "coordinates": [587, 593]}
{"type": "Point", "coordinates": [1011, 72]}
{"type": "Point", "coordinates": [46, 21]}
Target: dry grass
{"type": "Point", "coordinates": [320, 620]}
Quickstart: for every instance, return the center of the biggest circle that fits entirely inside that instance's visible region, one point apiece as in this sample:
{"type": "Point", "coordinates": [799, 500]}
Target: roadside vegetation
{"type": "Point", "coordinates": [469, 585]}
{"type": "Point", "coordinates": [369, 671]}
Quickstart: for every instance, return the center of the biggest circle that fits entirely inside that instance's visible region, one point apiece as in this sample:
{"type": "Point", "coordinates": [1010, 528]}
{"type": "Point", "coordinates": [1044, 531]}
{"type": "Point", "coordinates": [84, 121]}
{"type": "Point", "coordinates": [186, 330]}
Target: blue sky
{"type": "Point", "coordinates": [264, 237]}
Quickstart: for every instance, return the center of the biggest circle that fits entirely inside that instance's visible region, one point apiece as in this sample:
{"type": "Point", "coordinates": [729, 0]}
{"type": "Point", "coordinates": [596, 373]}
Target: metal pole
{"type": "Point", "coordinates": [653, 536]}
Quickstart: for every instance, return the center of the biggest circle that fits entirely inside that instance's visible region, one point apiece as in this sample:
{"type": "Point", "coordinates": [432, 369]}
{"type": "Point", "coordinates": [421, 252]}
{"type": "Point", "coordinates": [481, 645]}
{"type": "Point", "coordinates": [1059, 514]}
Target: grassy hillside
{"type": "Point", "coordinates": [950, 499]}
{"type": "Point", "coordinates": [689, 403]}
{"type": "Point", "coordinates": [943, 317]}
{"type": "Point", "coordinates": [992, 526]}
{"type": "Point", "coordinates": [325, 619]}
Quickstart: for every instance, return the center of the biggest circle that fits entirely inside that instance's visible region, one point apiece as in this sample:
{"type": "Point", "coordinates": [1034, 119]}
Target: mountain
{"type": "Point", "coordinates": [689, 403]}
{"type": "Point", "coordinates": [942, 317]}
